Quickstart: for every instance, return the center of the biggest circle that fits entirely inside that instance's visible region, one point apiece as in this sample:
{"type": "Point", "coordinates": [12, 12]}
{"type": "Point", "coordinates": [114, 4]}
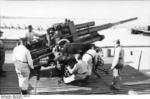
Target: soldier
{"type": "Point", "coordinates": [50, 37]}
{"type": "Point", "coordinates": [79, 71]}
{"type": "Point", "coordinates": [23, 62]}
{"type": "Point", "coordinates": [90, 57]}
{"type": "Point", "coordinates": [2, 54]}
{"type": "Point", "coordinates": [117, 65]}
{"type": "Point", "coordinates": [30, 34]}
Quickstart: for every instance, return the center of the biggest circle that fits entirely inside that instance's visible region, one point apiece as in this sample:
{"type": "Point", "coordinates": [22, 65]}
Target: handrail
{"type": "Point", "coordinates": [132, 46]}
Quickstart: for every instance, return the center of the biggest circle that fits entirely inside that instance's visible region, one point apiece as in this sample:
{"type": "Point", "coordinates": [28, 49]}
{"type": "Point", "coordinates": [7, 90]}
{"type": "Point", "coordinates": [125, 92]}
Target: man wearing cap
{"type": "Point", "coordinates": [2, 54]}
{"type": "Point", "coordinates": [117, 65]}
{"type": "Point", "coordinates": [30, 34]}
{"type": "Point", "coordinates": [23, 63]}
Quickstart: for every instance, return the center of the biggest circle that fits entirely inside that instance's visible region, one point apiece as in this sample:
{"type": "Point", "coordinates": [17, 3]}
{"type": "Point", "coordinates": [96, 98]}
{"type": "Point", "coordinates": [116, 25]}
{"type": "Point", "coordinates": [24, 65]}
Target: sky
{"type": "Point", "coordinates": [79, 11]}
{"type": "Point", "coordinates": [106, 10]}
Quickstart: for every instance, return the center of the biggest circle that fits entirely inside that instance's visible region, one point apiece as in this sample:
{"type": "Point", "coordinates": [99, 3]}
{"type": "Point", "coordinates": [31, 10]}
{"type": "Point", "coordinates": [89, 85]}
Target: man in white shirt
{"type": "Point", "coordinates": [30, 34]}
{"type": "Point", "coordinates": [23, 63]}
{"type": "Point", "coordinates": [89, 58]}
{"type": "Point", "coordinates": [117, 65]}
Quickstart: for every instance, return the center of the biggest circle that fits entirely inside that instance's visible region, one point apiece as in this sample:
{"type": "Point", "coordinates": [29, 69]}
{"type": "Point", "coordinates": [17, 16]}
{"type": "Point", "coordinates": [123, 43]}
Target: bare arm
{"type": "Point", "coordinates": [29, 59]}
{"type": "Point", "coordinates": [36, 34]}
{"type": "Point", "coordinates": [48, 39]}
{"type": "Point", "coordinates": [116, 57]}
{"type": "Point", "coordinates": [71, 70]}
{"type": "Point", "coordinates": [13, 57]}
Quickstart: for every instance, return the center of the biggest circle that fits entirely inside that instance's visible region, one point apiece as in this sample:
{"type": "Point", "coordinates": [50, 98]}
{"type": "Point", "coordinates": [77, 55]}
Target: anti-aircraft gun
{"type": "Point", "coordinates": [80, 34]}
{"type": "Point", "coordinates": [84, 33]}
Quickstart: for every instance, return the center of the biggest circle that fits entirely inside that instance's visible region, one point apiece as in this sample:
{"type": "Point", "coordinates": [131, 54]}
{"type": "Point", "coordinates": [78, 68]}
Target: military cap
{"type": "Point", "coordinates": [30, 26]}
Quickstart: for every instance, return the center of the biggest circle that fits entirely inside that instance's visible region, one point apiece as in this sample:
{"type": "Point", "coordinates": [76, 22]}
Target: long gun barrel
{"type": "Point", "coordinates": [102, 27]}
{"type": "Point", "coordinates": [124, 21]}
{"type": "Point", "coordinates": [88, 24]}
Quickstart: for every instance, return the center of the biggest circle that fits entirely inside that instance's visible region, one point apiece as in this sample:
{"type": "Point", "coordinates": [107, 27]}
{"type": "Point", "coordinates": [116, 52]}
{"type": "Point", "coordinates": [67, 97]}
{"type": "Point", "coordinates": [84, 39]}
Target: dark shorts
{"type": "Point", "coordinates": [119, 66]}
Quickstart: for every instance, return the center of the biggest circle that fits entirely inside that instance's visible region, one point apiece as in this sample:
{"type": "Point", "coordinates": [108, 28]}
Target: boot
{"type": "Point", "coordinates": [116, 83]}
{"type": "Point", "coordinates": [24, 92]}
